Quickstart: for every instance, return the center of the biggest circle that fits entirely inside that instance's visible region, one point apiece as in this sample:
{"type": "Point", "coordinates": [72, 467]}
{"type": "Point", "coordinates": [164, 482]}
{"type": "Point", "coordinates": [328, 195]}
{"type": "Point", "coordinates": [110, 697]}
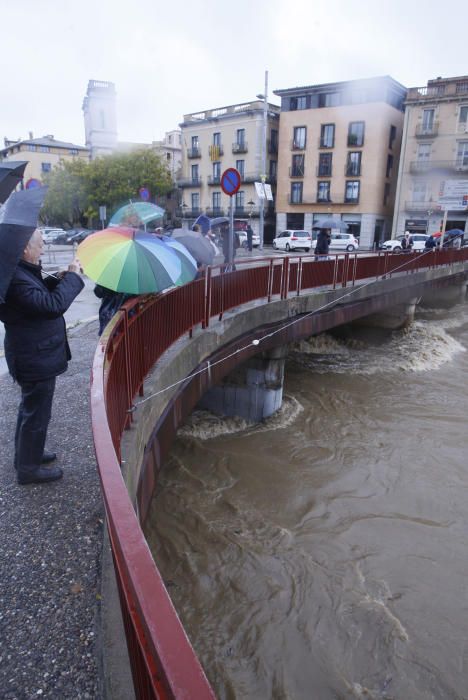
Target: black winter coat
{"type": "Point", "coordinates": [36, 346]}
{"type": "Point", "coordinates": [323, 243]}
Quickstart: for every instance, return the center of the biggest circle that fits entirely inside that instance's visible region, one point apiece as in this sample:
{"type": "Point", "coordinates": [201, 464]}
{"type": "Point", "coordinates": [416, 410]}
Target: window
{"type": "Point", "coordinates": [420, 192]}
{"type": "Point", "coordinates": [323, 192]}
{"type": "Point", "coordinates": [325, 165]}
{"type": "Point", "coordinates": [356, 134]}
{"type": "Point", "coordinates": [352, 191]}
{"type": "Point", "coordinates": [424, 152]}
{"type": "Point", "coordinates": [353, 165]}
{"type": "Point", "coordinates": [273, 169]}
{"type": "Point", "coordinates": [462, 154]}
{"type": "Point", "coordinates": [168, 156]}
{"type": "Point", "coordinates": [240, 199]}
{"type": "Point", "coordinates": [392, 137]}
{"type": "Point", "coordinates": [195, 201]}
{"type": "Point", "coordinates": [217, 138]}
{"type": "Point", "coordinates": [327, 136]}
{"type": "Point", "coordinates": [428, 120]}
{"type": "Point", "coordinates": [216, 199]}
{"type": "Point", "coordinates": [463, 116]}
{"type": "Point", "coordinates": [195, 174]}
{"type": "Point", "coordinates": [296, 192]}
{"type": "Point", "coordinates": [240, 166]}
{"type": "Point", "coordinates": [46, 167]}
{"type": "Point", "coordinates": [195, 143]}
{"type": "Point", "coordinates": [386, 194]}
{"type": "Point", "coordinates": [297, 165]}
{"type": "Point", "coordinates": [299, 102]}
{"type": "Point", "coordinates": [169, 138]}
{"type": "Point", "coordinates": [329, 99]}
{"type": "Point", "coordinates": [102, 118]}
{"type": "Point", "coordinates": [299, 137]}
{"type": "Point", "coordinates": [216, 171]}
{"type": "Point", "coordinates": [274, 140]}
{"type": "Point", "coordinates": [389, 170]}
{"type": "Point", "coordinates": [31, 147]}
{"type": "Point", "coordinates": [73, 151]}
{"type": "Point", "coordinates": [240, 137]}
{"type": "Point", "coordinates": [44, 149]}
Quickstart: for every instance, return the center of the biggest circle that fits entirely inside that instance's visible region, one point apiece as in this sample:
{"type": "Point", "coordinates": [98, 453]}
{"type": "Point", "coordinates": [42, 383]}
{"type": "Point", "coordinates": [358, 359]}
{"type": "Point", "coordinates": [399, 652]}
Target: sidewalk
{"type": "Point", "coordinates": [52, 606]}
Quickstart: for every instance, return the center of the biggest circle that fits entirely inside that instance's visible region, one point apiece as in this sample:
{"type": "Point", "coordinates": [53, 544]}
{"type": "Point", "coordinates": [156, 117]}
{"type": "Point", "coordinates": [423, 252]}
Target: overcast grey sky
{"type": "Point", "coordinates": [171, 58]}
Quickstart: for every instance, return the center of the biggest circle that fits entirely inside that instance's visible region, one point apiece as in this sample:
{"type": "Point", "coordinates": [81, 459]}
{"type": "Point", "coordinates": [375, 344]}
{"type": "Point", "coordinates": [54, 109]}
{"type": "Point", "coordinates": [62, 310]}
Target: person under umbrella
{"type": "Point", "coordinates": [36, 346]}
{"type": "Point", "coordinates": [323, 244]}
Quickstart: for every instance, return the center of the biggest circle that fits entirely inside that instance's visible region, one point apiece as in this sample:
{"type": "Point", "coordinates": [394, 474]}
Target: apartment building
{"type": "Point", "coordinates": [339, 148]}
{"type": "Point", "coordinates": [433, 174]}
{"type": "Point", "coordinates": [228, 137]}
{"type": "Point", "coordinates": [42, 155]}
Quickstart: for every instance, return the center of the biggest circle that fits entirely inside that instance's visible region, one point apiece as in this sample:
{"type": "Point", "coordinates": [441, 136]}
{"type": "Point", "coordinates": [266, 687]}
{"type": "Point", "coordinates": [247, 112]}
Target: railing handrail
{"type": "Point", "coordinates": [163, 662]}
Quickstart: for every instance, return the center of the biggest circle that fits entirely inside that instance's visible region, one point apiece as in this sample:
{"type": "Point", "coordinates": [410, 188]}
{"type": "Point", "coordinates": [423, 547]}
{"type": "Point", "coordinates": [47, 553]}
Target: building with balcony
{"type": "Point", "coordinates": [42, 155]}
{"type": "Point", "coordinates": [433, 173]}
{"type": "Point", "coordinates": [339, 149]}
{"type": "Point", "coordinates": [221, 138]}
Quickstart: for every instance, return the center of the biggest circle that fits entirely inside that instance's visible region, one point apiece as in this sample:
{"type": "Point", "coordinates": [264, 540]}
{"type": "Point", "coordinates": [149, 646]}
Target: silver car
{"type": "Point", "coordinates": [293, 240]}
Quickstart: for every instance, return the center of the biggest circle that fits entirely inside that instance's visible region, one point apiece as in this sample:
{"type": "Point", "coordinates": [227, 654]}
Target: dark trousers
{"type": "Point", "coordinates": [33, 420]}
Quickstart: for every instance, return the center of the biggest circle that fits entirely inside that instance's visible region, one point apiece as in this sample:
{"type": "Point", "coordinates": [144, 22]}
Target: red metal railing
{"type": "Point", "coordinates": [163, 662]}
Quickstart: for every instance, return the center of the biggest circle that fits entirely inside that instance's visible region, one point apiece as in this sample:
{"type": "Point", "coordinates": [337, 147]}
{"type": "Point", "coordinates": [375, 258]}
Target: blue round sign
{"type": "Point", "coordinates": [144, 193]}
{"type": "Point", "coordinates": [230, 181]}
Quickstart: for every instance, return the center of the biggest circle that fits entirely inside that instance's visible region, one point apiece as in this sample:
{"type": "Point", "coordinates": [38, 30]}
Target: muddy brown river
{"type": "Point", "coordinates": [323, 555]}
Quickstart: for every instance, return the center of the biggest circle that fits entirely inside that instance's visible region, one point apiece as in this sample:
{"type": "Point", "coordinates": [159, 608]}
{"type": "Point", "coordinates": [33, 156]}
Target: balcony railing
{"type": "Point", "coordinates": [427, 130]}
{"type": "Point", "coordinates": [322, 171]}
{"type": "Point", "coordinates": [239, 147]}
{"type": "Point", "coordinates": [422, 206]}
{"type": "Point", "coordinates": [425, 166]}
{"type": "Point", "coordinates": [322, 143]}
{"type": "Point", "coordinates": [296, 171]}
{"type": "Point", "coordinates": [214, 179]}
{"type": "Point", "coordinates": [333, 199]}
{"type": "Point", "coordinates": [189, 182]}
{"type": "Point", "coordinates": [194, 152]}
{"type": "Point", "coordinates": [353, 171]}
{"type": "Point", "coordinates": [215, 211]}
{"type": "Point", "coordinates": [295, 146]}
{"type": "Point", "coordinates": [189, 212]}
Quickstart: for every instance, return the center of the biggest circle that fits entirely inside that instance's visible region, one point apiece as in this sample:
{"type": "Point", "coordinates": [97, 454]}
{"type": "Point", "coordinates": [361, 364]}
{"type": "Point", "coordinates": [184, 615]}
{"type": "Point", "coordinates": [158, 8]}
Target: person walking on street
{"type": "Point", "coordinates": [249, 238]}
{"type": "Point", "coordinates": [323, 244]}
{"type": "Point", "coordinates": [430, 243]}
{"type": "Point", "coordinates": [36, 352]}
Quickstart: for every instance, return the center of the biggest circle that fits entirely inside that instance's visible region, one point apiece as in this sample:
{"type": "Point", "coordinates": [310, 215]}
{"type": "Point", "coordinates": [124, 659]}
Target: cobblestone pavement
{"type": "Point", "coordinates": [51, 549]}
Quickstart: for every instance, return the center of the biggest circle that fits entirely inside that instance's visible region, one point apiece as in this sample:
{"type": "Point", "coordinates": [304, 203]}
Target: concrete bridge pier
{"type": "Point", "coordinates": [252, 391]}
{"type": "Point", "coordinates": [398, 316]}
{"type": "Point", "coordinates": [453, 293]}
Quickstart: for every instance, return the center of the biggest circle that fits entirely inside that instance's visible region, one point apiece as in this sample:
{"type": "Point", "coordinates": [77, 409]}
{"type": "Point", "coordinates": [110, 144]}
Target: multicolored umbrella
{"type": "Point", "coordinates": [134, 262]}
{"type": "Point", "coordinates": [136, 213]}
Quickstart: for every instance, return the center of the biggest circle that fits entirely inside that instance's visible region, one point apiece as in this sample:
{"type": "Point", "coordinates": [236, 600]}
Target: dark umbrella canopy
{"type": "Point", "coordinates": [11, 173]}
{"type": "Point", "coordinates": [332, 224]}
{"type": "Point", "coordinates": [197, 244]}
{"type": "Point", "coordinates": [218, 220]}
{"type": "Point", "coordinates": [18, 221]}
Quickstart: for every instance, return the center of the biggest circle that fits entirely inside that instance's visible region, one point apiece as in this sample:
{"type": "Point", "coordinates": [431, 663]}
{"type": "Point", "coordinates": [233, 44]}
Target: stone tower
{"type": "Point", "coordinates": [99, 109]}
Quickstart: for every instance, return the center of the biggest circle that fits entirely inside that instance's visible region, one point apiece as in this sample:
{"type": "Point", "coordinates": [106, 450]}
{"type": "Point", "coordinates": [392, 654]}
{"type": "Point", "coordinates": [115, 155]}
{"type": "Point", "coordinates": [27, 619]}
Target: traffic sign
{"type": "Point", "coordinates": [230, 181]}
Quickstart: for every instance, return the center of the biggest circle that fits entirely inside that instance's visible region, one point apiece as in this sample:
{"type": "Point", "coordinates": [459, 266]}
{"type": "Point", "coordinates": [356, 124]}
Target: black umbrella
{"type": "Point", "coordinates": [197, 245]}
{"type": "Point", "coordinates": [11, 173]}
{"type": "Point", "coordinates": [331, 223]}
{"type": "Point", "coordinates": [18, 221]}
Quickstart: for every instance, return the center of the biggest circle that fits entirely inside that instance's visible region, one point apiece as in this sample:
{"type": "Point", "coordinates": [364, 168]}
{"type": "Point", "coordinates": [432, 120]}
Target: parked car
{"type": "Point", "coordinates": [64, 237]}
{"type": "Point", "coordinates": [78, 236]}
{"type": "Point", "coordinates": [243, 239]}
{"type": "Point", "coordinates": [343, 241]}
{"type": "Point", "coordinates": [49, 234]}
{"type": "Point", "coordinates": [293, 240]}
{"type": "Point", "coordinates": [419, 241]}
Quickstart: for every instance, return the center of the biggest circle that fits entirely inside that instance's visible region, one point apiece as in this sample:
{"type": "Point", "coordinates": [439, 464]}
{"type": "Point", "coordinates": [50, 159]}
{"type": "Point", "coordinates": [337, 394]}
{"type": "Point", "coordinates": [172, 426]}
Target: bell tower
{"type": "Point", "coordinates": [100, 118]}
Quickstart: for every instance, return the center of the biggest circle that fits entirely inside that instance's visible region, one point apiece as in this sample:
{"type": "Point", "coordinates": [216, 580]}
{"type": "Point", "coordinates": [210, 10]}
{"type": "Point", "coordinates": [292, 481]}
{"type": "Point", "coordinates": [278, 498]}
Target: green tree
{"type": "Point", "coordinates": [77, 189]}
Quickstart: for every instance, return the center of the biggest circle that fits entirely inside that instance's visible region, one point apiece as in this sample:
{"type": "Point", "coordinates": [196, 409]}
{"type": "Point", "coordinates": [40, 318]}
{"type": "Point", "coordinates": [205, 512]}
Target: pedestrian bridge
{"type": "Point", "coordinates": [160, 355]}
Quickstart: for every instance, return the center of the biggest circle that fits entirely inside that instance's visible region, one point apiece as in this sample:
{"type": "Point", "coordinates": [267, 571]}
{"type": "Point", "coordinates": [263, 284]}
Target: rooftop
{"type": "Point", "coordinates": [229, 111]}
{"type": "Point", "coordinates": [353, 84]}
{"type": "Point", "coordinates": [47, 140]}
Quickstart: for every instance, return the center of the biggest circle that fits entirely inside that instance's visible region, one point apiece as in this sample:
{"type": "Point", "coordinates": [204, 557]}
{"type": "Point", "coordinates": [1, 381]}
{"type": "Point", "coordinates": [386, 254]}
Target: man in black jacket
{"type": "Point", "coordinates": [37, 351]}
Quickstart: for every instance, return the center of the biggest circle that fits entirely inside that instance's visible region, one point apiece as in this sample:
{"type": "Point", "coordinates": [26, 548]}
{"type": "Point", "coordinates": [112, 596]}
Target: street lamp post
{"type": "Point", "coordinates": [429, 214]}
{"type": "Point", "coordinates": [263, 97]}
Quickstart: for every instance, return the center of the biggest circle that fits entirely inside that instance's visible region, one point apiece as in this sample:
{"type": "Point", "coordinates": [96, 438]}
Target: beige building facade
{"type": "Point", "coordinates": [42, 155]}
{"type": "Point", "coordinates": [433, 172]}
{"type": "Point", "coordinates": [221, 138]}
{"type": "Point", "coordinates": [339, 149]}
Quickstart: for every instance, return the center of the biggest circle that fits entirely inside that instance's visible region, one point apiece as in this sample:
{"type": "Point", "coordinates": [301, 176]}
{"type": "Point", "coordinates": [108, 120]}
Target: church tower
{"type": "Point", "coordinates": [99, 109]}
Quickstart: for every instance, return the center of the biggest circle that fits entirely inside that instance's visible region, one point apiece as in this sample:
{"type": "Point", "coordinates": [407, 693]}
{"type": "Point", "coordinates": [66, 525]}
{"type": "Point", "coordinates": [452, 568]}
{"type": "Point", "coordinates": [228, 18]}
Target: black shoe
{"type": "Point", "coordinates": [40, 475]}
{"type": "Point", "coordinates": [48, 457]}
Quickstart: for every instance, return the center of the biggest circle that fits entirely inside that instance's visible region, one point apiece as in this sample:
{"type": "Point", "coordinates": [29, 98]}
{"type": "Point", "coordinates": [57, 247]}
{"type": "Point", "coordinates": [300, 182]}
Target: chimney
{"type": "Point", "coordinates": [31, 135]}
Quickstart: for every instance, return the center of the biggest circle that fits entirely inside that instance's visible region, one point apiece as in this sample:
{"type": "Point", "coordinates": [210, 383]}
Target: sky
{"type": "Point", "coordinates": [169, 59]}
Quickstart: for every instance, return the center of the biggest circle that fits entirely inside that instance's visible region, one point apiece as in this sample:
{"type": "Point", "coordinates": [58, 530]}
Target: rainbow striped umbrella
{"type": "Point", "coordinates": [133, 262]}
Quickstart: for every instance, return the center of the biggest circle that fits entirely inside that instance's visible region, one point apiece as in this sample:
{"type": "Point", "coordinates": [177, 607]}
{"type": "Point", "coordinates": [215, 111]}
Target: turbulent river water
{"type": "Point", "coordinates": [322, 554]}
